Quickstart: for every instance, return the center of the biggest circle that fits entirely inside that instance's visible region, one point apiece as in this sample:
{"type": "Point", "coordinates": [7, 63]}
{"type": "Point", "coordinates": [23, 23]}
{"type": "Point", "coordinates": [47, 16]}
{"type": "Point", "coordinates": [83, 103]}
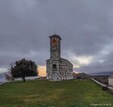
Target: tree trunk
{"type": "Point", "coordinates": [23, 78]}
{"type": "Point", "coordinates": [13, 79]}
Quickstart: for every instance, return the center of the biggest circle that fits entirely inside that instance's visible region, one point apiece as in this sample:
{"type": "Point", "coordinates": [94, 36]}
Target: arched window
{"type": "Point", "coordinates": [54, 66]}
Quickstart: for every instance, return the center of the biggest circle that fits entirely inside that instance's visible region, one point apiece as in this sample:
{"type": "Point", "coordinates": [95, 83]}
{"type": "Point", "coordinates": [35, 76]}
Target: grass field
{"type": "Point", "coordinates": [43, 93]}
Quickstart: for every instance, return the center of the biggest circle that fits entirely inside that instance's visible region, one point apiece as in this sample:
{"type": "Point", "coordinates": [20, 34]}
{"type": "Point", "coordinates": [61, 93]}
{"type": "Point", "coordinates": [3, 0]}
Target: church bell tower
{"type": "Point", "coordinates": [55, 47]}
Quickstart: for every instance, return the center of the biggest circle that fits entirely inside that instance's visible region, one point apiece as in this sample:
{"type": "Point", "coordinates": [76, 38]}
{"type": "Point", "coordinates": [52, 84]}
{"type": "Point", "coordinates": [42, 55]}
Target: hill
{"type": "Point", "coordinates": [107, 73]}
{"type": "Point", "coordinates": [81, 76]}
{"type": "Point", "coordinates": [43, 93]}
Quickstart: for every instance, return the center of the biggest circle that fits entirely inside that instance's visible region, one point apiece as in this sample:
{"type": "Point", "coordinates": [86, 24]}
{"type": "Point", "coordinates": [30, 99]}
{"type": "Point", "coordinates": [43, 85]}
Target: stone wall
{"type": "Point", "coordinates": [59, 69]}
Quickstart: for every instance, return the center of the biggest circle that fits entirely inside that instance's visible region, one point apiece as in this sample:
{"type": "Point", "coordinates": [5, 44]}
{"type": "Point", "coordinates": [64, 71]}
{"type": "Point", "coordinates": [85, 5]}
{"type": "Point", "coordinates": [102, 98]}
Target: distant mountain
{"type": "Point", "coordinates": [2, 77]}
{"type": "Point", "coordinates": [107, 73]}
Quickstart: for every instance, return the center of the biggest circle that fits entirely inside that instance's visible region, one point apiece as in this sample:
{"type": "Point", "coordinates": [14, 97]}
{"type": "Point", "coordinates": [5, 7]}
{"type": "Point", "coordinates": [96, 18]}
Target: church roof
{"type": "Point", "coordinates": [66, 61]}
{"type": "Point", "coordinates": [55, 35]}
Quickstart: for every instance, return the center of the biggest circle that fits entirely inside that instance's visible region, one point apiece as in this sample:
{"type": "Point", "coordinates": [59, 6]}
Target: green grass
{"type": "Point", "coordinates": [43, 93]}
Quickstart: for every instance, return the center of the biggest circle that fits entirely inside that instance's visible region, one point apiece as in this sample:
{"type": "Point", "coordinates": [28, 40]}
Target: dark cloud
{"type": "Point", "coordinates": [84, 25]}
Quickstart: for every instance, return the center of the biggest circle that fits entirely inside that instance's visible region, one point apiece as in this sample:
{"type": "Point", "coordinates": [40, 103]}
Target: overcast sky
{"type": "Point", "coordinates": [85, 26]}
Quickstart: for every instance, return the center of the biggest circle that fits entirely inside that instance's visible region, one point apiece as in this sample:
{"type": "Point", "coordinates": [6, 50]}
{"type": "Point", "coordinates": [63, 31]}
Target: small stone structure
{"type": "Point", "coordinates": [110, 80]}
{"type": "Point", "coordinates": [57, 68]}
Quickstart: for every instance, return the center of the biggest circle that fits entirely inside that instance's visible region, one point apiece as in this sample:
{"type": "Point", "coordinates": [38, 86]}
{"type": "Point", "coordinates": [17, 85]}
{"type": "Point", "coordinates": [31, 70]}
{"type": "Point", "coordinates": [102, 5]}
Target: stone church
{"type": "Point", "coordinates": [57, 68]}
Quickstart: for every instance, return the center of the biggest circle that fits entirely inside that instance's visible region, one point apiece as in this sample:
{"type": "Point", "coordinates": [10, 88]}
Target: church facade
{"type": "Point", "coordinates": [57, 68]}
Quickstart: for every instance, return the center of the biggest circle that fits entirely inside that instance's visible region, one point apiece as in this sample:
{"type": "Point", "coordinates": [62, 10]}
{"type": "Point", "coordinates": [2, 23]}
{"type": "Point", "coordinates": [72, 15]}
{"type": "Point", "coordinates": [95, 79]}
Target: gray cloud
{"type": "Point", "coordinates": [84, 25]}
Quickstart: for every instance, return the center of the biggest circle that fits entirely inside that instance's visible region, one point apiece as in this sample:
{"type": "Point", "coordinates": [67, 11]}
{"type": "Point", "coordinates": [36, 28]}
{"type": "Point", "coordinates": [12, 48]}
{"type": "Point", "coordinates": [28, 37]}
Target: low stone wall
{"type": "Point", "coordinates": [18, 79]}
{"type": "Point", "coordinates": [102, 85]}
{"type": "Point", "coordinates": [3, 82]}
